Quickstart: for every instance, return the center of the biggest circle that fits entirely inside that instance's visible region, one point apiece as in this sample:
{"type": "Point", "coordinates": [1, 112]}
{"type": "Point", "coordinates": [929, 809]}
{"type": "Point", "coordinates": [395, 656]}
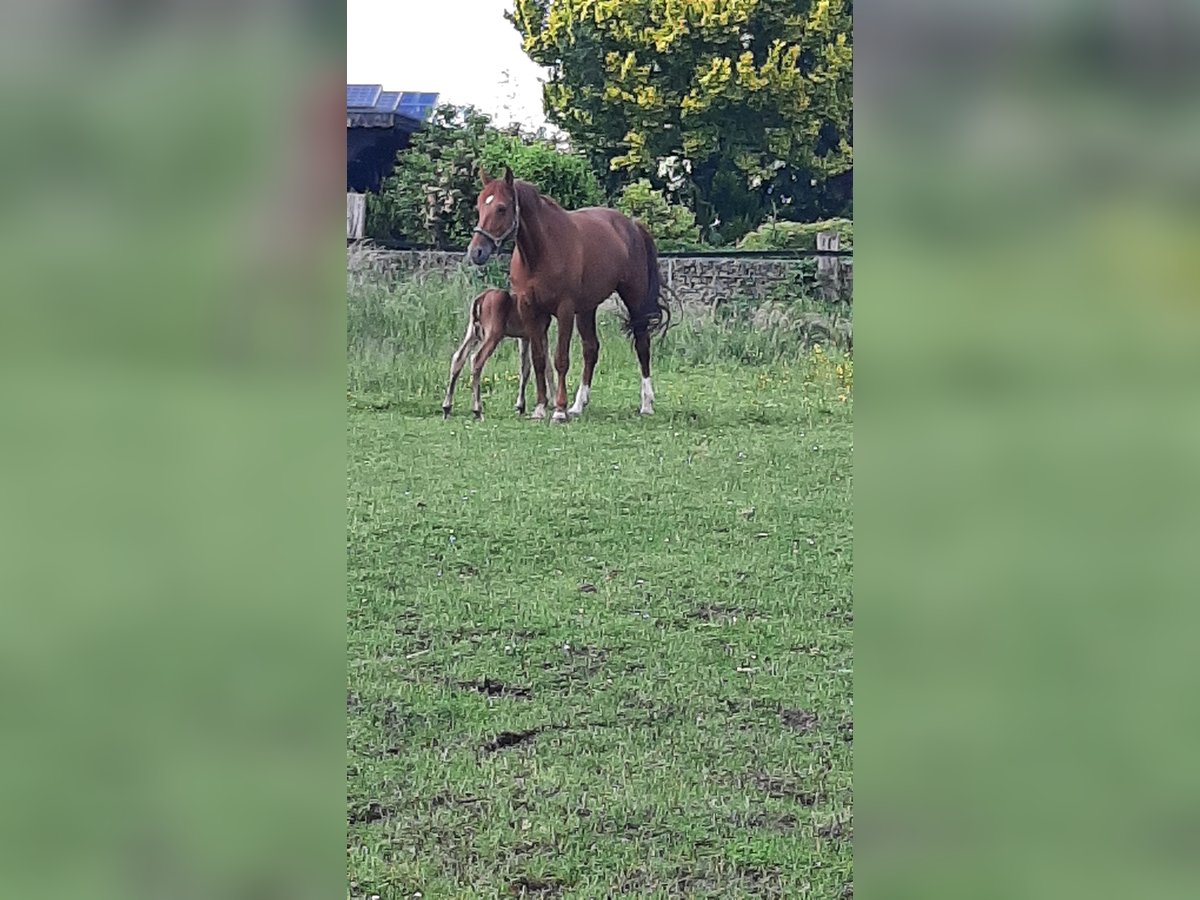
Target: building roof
{"type": "Point", "coordinates": [378, 125]}
{"type": "Point", "coordinates": [370, 106]}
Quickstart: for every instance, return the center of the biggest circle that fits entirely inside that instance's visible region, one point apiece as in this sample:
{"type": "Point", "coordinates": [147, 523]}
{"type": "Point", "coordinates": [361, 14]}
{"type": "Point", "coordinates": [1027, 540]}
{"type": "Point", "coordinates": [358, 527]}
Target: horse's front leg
{"type": "Point", "coordinates": [526, 367]}
{"type": "Point", "coordinates": [562, 361]}
{"type": "Point", "coordinates": [537, 352]}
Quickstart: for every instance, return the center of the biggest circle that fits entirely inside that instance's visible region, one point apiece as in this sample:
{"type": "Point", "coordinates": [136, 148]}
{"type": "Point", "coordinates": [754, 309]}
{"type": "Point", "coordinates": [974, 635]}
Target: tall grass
{"type": "Point", "coordinates": [401, 332]}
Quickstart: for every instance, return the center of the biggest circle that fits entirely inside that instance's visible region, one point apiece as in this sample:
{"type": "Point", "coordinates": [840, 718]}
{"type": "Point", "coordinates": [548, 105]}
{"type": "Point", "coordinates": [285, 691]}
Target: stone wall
{"type": "Point", "coordinates": [689, 279]}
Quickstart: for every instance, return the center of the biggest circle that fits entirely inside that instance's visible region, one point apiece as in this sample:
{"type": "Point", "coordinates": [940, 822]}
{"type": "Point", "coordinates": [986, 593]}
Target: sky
{"type": "Point", "coordinates": [459, 49]}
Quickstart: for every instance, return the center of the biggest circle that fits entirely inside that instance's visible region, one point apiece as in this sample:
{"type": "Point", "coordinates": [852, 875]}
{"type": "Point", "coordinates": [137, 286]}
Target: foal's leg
{"type": "Point", "coordinates": [562, 361]}
{"type": "Point", "coordinates": [586, 323]}
{"type": "Point", "coordinates": [490, 343]}
{"type": "Point", "coordinates": [526, 366]}
{"type": "Point", "coordinates": [456, 363]}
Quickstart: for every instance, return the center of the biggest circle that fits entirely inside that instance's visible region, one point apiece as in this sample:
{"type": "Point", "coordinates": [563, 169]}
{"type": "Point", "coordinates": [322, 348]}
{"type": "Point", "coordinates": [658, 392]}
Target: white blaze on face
{"type": "Point", "coordinates": [489, 199]}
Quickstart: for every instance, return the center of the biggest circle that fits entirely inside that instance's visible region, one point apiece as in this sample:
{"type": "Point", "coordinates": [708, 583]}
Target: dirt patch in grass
{"type": "Point", "coordinates": [495, 688]}
{"type": "Point", "coordinates": [784, 788]}
{"type": "Point", "coordinates": [439, 800]}
{"type": "Point", "coordinates": [768, 821]}
{"type": "Point", "coordinates": [837, 830]}
{"type": "Point", "coordinates": [372, 811]}
{"type": "Point", "coordinates": [530, 886]}
{"type": "Point", "coordinates": [507, 739]}
{"type": "Point", "coordinates": [800, 719]}
{"type": "Point", "coordinates": [756, 881]}
{"type": "Point", "coordinates": [583, 664]}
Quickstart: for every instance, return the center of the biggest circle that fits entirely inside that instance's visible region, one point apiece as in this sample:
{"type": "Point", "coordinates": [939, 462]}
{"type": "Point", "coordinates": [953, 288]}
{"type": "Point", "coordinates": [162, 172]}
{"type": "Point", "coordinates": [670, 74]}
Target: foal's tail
{"type": "Point", "coordinates": [653, 316]}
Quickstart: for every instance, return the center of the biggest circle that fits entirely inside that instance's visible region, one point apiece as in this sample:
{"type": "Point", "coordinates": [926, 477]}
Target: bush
{"type": "Point", "coordinates": [568, 179]}
{"type": "Point", "coordinates": [430, 198]}
{"type": "Point", "coordinates": [796, 235]}
{"type": "Point", "coordinates": [673, 226]}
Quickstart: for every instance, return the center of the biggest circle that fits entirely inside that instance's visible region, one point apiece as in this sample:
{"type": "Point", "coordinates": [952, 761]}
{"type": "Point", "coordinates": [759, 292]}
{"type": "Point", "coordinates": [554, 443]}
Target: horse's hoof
{"type": "Point", "coordinates": [445, 413]}
{"type": "Point", "coordinates": [520, 409]}
{"type": "Point", "coordinates": [646, 411]}
{"type": "Point", "coordinates": [539, 412]}
{"type": "Point", "coordinates": [559, 417]}
{"type": "Point", "coordinates": [478, 415]}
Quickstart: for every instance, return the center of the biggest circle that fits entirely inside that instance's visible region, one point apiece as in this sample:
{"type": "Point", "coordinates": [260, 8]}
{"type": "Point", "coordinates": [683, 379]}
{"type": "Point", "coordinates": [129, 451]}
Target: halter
{"type": "Point", "coordinates": [512, 229]}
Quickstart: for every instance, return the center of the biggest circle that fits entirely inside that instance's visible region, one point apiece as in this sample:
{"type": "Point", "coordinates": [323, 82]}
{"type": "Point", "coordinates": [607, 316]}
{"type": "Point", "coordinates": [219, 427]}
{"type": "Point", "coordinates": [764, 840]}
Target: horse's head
{"type": "Point", "coordinates": [499, 216]}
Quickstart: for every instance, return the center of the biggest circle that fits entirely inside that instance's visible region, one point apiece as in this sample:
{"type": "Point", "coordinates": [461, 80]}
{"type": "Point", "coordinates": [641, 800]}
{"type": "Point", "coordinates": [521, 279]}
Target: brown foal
{"type": "Point", "coordinates": [492, 318]}
{"type": "Point", "coordinates": [565, 264]}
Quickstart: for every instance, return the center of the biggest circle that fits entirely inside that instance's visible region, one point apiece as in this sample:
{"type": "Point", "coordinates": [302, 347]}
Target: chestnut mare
{"type": "Point", "coordinates": [565, 265]}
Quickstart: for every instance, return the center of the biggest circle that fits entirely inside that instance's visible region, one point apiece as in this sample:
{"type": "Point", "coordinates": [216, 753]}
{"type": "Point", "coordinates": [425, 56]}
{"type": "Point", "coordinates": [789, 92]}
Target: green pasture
{"type": "Point", "coordinates": [611, 658]}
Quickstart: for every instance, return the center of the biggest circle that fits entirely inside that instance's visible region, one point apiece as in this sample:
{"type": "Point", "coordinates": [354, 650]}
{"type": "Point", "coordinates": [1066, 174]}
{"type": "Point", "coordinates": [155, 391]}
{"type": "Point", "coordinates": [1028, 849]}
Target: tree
{"type": "Point", "coordinates": [736, 106]}
{"type": "Point", "coordinates": [430, 197]}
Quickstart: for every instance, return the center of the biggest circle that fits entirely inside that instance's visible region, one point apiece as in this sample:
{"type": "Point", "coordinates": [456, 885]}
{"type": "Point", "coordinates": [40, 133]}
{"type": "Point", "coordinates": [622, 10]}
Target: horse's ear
{"type": "Point", "coordinates": [508, 176]}
{"type": "Point", "coordinates": [484, 177]}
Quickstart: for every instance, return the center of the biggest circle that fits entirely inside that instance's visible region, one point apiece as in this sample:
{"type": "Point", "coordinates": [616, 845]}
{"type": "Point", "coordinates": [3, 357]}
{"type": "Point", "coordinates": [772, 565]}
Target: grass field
{"type": "Point", "coordinates": [611, 658]}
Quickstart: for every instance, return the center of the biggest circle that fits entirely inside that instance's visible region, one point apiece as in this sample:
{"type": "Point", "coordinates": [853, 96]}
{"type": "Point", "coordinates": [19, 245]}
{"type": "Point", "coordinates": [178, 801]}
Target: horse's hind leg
{"type": "Point", "coordinates": [456, 363]}
{"type": "Point", "coordinates": [633, 299]}
{"type": "Point", "coordinates": [591, 352]}
{"type": "Point", "coordinates": [642, 345]}
{"type": "Point", "coordinates": [490, 343]}
{"type": "Point", "coordinates": [524, 350]}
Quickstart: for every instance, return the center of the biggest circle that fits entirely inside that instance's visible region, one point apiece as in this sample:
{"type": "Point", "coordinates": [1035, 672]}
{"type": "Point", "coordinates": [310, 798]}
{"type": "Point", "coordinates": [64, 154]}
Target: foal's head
{"type": "Point", "coordinates": [499, 216]}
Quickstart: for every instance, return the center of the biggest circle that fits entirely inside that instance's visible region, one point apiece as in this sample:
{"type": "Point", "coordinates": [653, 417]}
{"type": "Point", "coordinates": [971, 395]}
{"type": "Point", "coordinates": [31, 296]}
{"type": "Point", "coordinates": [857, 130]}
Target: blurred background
{"type": "Point", "coordinates": [172, 499]}
{"type": "Point", "coordinates": [171, 507]}
{"type": "Point", "coordinates": [1029, 213]}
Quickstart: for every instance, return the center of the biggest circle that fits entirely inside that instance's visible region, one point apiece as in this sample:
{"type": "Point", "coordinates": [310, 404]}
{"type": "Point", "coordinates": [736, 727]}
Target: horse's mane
{"type": "Point", "coordinates": [525, 188]}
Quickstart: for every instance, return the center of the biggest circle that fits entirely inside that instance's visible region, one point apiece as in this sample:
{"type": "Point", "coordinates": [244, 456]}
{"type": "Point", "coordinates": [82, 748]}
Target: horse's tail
{"type": "Point", "coordinates": [653, 316]}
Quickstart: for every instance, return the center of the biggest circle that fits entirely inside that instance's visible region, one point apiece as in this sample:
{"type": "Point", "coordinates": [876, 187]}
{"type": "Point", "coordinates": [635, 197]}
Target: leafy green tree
{"type": "Point", "coordinates": [673, 226]}
{"type": "Point", "coordinates": [736, 106]}
{"type": "Point", "coordinates": [430, 197]}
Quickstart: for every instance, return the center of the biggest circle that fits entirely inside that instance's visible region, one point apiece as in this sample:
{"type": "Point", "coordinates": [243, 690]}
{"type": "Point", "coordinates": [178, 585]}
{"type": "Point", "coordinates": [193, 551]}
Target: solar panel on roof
{"type": "Point", "coordinates": [362, 96]}
{"type": "Point", "coordinates": [417, 105]}
{"type": "Point", "coordinates": [387, 102]}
